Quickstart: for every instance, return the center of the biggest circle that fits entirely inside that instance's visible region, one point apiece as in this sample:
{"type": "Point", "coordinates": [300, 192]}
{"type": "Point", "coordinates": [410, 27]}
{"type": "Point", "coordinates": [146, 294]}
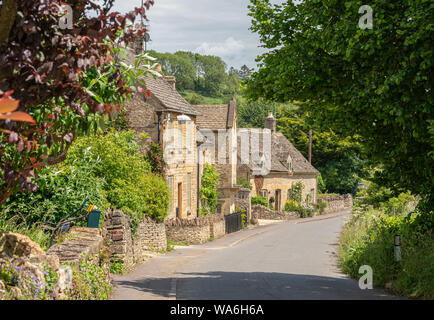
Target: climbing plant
{"type": "Point", "coordinates": [208, 190]}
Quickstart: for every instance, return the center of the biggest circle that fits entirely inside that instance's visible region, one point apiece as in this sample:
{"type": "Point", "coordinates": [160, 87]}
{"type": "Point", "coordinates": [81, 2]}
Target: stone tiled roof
{"type": "Point", "coordinates": [214, 117]}
{"type": "Point", "coordinates": [163, 91]}
{"type": "Point", "coordinates": [169, 97]}
{"type": "Point", "coordinates": [281, 151]}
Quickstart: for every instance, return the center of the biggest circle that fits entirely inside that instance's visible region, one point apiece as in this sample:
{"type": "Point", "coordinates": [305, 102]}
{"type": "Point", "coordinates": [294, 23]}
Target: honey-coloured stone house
{"type": "Point", "coordinates": [218, 126]}
{"type": "Point", "coordinates": [170, 121]}
{"type": "Point", "coordinates": [284, 164]}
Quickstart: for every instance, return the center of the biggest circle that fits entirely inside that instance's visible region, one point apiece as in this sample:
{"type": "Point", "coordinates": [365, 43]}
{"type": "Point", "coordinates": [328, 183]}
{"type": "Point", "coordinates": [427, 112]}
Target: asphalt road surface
{"type": "Point", "coordinates": [282, 261]}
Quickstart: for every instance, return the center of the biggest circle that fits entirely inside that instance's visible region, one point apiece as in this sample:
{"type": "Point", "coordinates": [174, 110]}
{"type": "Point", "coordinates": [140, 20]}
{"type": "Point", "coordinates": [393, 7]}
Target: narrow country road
{"type": "Point", "coordinates": [287, 260]}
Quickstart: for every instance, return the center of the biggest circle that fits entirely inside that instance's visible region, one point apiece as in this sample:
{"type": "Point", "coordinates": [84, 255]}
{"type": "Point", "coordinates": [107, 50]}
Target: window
{"type": "Point", "coordinates": [264, 194]}
{"type": "Point", "coordinates": [312, 195]}
{"type": "Point", "coordinates": [189, 191]}
{"type": "Point", "coordinates": [170, 182]}
{"type": "Point", "coordinates": [180, 136]}
{"type": "Point", "coordinates": [189, 134]}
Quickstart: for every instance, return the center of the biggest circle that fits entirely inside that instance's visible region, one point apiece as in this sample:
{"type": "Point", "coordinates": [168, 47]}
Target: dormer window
{"type": "Point", "coordinates": [289, 164]}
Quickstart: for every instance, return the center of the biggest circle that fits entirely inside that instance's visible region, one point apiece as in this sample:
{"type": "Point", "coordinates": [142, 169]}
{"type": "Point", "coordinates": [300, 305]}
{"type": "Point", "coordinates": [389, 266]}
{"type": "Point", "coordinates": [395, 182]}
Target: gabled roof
{"type": "Point", "coordinates": [281, 151]}
{"type": "Point", "coordinates": [169, 97]}
{"type": "Point", "coordinates": [216, 116]}
{"type": "Point", "coordinates": [163, 91]}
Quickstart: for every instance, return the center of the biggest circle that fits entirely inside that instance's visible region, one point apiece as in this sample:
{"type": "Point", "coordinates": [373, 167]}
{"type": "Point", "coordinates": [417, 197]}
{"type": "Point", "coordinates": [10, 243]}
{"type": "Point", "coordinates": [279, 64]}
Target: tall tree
{"type": "Point", "coordinates": [376, 83]}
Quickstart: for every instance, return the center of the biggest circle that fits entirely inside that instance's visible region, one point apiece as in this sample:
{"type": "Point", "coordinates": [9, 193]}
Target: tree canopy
{"type": "Point", "coordinates": [203, 74]}
{"type": "Point", "coordinates": [376, 83]}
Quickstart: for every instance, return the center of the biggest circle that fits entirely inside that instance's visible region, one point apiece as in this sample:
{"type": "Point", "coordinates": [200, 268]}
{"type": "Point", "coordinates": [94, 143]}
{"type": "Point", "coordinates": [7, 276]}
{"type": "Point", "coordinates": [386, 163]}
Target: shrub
{"type": "Point", "coordinates": [368, 239]}
{"type": "Point", "coordinates": [245, 183]}
{"type": "Point", "coordinates": [320, 206]}
{"type": "Point", "coordinates": [295, 192]}
{"type": "Point", "coordinates": [62, 189]}
{"type": "Point", "coordinates": [208, 190]}
{"type": "Point", "coordinates": [303, 210]}
{"type": "Point", "coordinates": [129, 183]}
{"type": "Point", "coordinates": [259, 200]}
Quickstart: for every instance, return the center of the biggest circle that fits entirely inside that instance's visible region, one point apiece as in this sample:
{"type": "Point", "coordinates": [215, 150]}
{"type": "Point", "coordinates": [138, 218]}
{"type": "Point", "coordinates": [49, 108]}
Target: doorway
{"type": "Point", "coordinates": [278, 200]}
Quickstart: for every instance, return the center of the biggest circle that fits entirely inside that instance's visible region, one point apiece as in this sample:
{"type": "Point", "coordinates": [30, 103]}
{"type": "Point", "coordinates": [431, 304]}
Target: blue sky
{"type": "Point", "coordinates": [214, 27]}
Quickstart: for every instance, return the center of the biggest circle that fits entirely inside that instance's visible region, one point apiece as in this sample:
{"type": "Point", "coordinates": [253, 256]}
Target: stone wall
{"type": "Point", "coordinates": [261, 212]}
{"type": "Point", "coordinates": [337, 202]}
{"type": "Point", "coordinates": [131, 249]}
{"type": "Point", "coordinates": [217, 226]}
{"type": "Point", "coordinates": [194, 231]}
{"type": "Point", "coordinates": [243, 200]}
{"type": "Point", "coordinates": [27, 260]}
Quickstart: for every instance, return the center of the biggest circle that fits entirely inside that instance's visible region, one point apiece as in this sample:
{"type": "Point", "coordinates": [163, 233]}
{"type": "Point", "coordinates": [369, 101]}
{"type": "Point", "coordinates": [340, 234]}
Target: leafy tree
{"type": "Point", "coordinates": [244, 72]}
{"type": "Point", "coordinates": [43, 65]}
{"type": "Point", "coordinates": [252, 114]}
{"type": "Point", "coordinates": [338, 158]}
{"type": "Point", "coordinates": [376, 83]}
{"type": "Point", "coordinates": [179, 65]}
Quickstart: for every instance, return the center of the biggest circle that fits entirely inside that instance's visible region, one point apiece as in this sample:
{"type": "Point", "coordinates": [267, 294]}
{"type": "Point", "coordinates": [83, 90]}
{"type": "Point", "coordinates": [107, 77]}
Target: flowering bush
{"type": "Point", "coordinates": [26, 285]}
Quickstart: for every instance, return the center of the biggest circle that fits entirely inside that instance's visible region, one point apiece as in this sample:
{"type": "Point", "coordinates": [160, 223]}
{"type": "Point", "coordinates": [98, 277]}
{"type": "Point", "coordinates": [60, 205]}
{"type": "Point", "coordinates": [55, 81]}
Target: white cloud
{"type": "Point", "coordinates": [229, 48]}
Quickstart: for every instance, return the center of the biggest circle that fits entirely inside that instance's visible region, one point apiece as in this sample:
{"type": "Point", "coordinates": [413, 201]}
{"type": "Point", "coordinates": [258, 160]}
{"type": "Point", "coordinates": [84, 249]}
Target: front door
{"type": "Point", "coordinates": [180, 199]}
{"type": "Point", "coordinates": [277, 198]}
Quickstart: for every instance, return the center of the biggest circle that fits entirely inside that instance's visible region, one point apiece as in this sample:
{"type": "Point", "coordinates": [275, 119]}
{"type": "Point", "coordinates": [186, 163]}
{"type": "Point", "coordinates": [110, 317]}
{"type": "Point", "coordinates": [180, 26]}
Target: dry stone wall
{"type": "Point", "coordinates": [194, 231]}
{"type": "Point", "coordinates": [337, 202]}
{"type": "Point", "coordinates": [128, 248]}
{"type": "Point", "coordinates": [217, 226]}
{"type": "Point", "coordinates": [261, 212]}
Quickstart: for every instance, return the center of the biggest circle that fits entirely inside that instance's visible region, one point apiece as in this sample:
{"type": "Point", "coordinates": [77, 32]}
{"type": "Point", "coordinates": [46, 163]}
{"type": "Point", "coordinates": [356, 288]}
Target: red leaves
{"type": "Point", "coordinates": [8, 105]}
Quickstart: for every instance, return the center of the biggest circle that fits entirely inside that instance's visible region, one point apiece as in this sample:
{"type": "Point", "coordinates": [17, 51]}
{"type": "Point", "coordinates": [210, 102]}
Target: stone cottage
{"type": "Point", "coordinates": [218, 126]}
{"type": "Point", "coordinates": [272, 164]}
{"type": "Point", "coordinates": [170, 121]}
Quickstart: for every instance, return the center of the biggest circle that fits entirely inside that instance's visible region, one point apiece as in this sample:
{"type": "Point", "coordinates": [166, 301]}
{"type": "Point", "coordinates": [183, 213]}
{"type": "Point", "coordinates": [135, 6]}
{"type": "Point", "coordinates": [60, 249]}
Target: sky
{"type": "Point", "coordinates": [209, 27]}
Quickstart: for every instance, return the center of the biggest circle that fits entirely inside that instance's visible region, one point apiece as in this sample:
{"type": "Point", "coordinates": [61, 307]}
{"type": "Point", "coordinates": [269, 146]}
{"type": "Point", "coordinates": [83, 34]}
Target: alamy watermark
{"type": "Point", "coordinates": [366, 21]}
{"type": "Point", "coordinates": [66, 21]}
{"type": "Point", "coordinates": [365, 282]}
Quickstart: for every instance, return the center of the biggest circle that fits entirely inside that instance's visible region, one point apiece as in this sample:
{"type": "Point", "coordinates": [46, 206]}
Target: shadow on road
{"type": "Point", "coordinates": [254, 286]}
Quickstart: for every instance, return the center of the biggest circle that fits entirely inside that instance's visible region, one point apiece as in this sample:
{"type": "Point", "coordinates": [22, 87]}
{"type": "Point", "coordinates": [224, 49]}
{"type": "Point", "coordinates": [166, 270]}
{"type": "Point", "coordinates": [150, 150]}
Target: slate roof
{"type": "Point", "coordinates": [217, 116]}
{"type": "Point", "coordinates": [277, 157]}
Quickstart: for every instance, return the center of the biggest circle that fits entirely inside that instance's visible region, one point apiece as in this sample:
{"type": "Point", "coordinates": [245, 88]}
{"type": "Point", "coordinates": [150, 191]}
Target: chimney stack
{"type": "Point", "coordinates": [270, 122]}
{"type": "Point", "coordinates": [171, 80]}
{"type": "Point", "coordinates": [138, 45]}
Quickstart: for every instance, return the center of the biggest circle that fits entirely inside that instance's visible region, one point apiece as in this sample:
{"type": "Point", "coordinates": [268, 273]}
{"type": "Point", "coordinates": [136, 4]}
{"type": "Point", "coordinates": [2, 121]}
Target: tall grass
{"type": "Point", "coordinates": [368, 239]}
{"type": "Point", "coordinates": [35, 233]}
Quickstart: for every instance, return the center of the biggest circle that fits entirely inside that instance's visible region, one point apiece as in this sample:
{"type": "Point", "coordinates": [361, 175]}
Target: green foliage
{"type": "Point", "coordinates": [320, 206]}
{"type": "Point", "coordinates": [206, 75]}
{"type": "Point", "coordinates": [243, 221]}
{"type": "Point", "coordinates": [252, 114]}
{"type": "Point", "coordinates": [353, 81]}
{"type": "Point", "coordinates": [296, 191]}
{"type": "Point", "coordinates": [208, 190]}
{"type": "Point", "coordinates": [34, 232]}
{"type": "Point", "coordinates": [244, 183]}
{"type": "Point", "coordinates": [195, 99]}
{"type": "Point", "coordinates": [302, 209]}
{"type": "Point", "coordinates": [259, 200]}
{"type": "Point", "coordinates": [90, 282]}
{"type": "Point", "coordinates": [62, 189]}
{"type": "Point", "coordinates": [129, 183]}
{"type": "Point", "coordinates": [30, 288]}
{"type": "Point", "coordinates": [368, 239]}
{"type": "Point", "coordinates": [117, 267]}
